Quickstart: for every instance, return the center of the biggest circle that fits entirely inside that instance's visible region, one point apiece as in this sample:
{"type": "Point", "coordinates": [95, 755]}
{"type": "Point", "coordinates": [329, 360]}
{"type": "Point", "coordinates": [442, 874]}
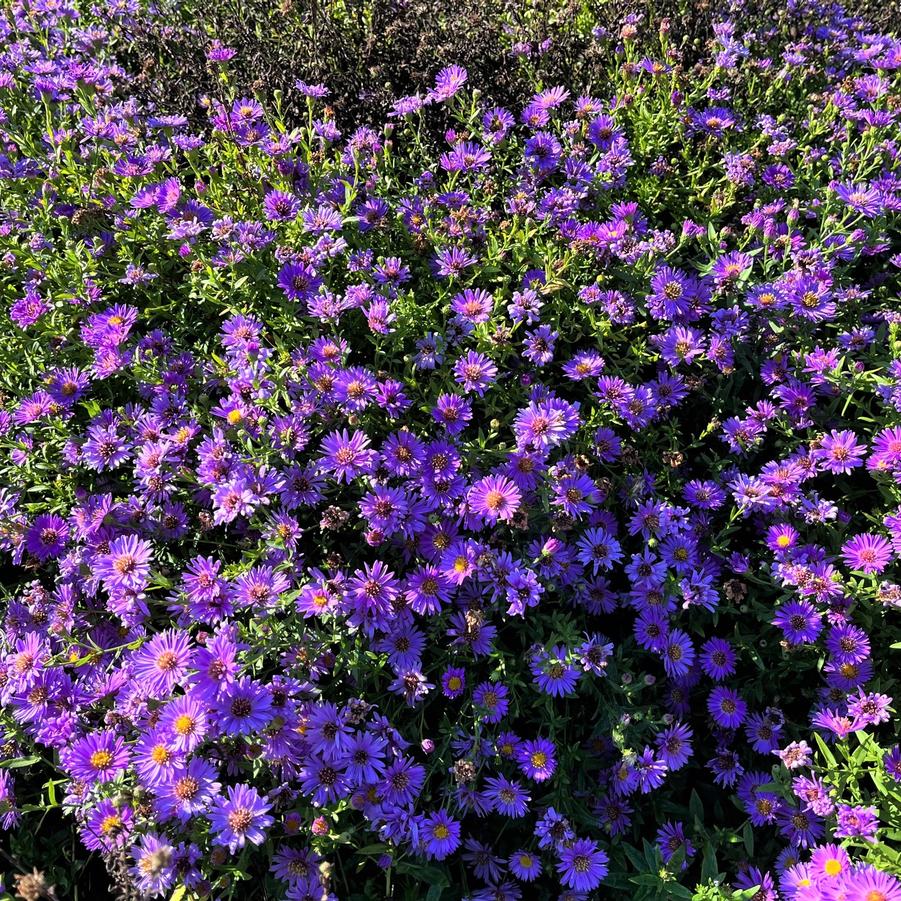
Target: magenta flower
{"type": "Point", "coordinates": [838, 452]}
{"type": "Point", "coordinates": [867, 553]}
{"type": "Point", "coordinates": [127, 565]}
{"type": "Point", "coordinates": [494, 498]}
{"type": "Point", "coordinates": [163, 662]}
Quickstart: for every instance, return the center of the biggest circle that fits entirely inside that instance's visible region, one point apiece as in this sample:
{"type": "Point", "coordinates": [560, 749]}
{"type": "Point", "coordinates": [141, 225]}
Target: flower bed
{"type": "Point", "coordinates": [514, 520]}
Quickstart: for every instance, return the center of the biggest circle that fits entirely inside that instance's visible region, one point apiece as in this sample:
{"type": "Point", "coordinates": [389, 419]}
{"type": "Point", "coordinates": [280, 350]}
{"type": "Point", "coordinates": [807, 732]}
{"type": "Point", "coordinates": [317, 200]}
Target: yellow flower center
{"type": "Point", "coordinates": [184, 724]}
{"type": "Point", "coordinates": [160, 754]}
{"type": "Point", "coordinates": [101, 759]}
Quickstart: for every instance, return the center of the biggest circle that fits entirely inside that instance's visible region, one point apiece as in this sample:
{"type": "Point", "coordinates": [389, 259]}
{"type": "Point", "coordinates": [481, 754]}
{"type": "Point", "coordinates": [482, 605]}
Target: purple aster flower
{"type": "Point", "coordinates": [163, 662]}
{"type": "Point", "coordinates": [240, 818]}
{"type": "Point", "coordinates": [726, 707]}
{"type": "Point", "coordinates": [156, 758]}
{"type": "Point", "coordinates": [671, 840]}
{"type": "Point", "coordinates": [323, 781]}
{"type": "Point", "coordinates": [866, 883]}
{"type": "Point", "coordinates": [829, 862]}
{"type": "Point", "coordinates": [537, 759]}
{"type": "Point", "coordinates": [243, 708]}
{"type": "Point", "coordinates": [453, 412]}
{"type": "Point", "coordinates": [582, 865]}
{"type": "Point", "coordinates": [108, 826]}
{"type": "Point", "coordinates": [800, 827]}
{"type": "Point", "coordinates": [279, 206]}
{"type": "Point", "coordinates": [185, 719]}
{"type": "Point", "coordinates": [440, 835]}
{"type": "Point", "coordinates": [863, 199]}
{"type": "Point", "coordinates": [856, 822]}
{"type": "Point", "coordinates": [524, 865]}
{"type": "Point", "coordinates": [674, 745]}
{"type": "Point", "coordinates": [594, 654]}
{"type": "Point", "coordinates": [412, 685]}
{"type": "Point", "coordinates": [347, 456]}
{"type": "Point", "coordinates": [154, 871]}
{"type": "Point", "coordinates": [718, 658]}
{"type": "Point", "coordinates": [553, 674]}
{"type": "Point", "coordinates": [731, 267]}
{"type": "Point", "coordinates": [599, 549]}
{"type": "Point", "coordinates": [296, 866]}
{"type": "Point", "coordinates": [216, 664]}
{"type": "Point", "coordinates": [374, 589]}
{"type": "Point", "coordinates": [678, 654]}
{"type": "Point", "coordinates": [892, 763]}
{"type": "Point", "coordinates": [364, 758]}
{"type": "Point", "coordinates": [539, 345]}
{"type": "Point", "coordinates": [507, 798]}
{"type": "Point", "coordinates": [813, 794]}
{"type": "Point", "coordinates": [781, 538]}
{"type": "Point", "coordinates": [47, 536]}
{"type": "Point", "coordinates": [553, 830]}
{"type": "Point", "coordinates": [576, 494]}
{"type": "Point", "coordinates": [189, 791]}
{"type": "Point", "coordinates": [869, 708]}
{"type": "Point", "coordinates": [475, 372]}
{"type": "Point", "coordinates": [490, 699]}
{"type": "Point", "coordinates": [650, 769]}
{"type": "Point", "coordinates": [9, 812]}
{"type": "Point", "coordinates": [453, 682]}
{"type": "Point", "coordinates": [584, 365]}
{"type": "Point", "coordinates": [448, 81]}
{"type": "Point", "coordinates": [299, 282]}
{"type": "Point", "coordinates": [98, 757]}
{"type": "Point", "coordinates": [680, 345]}
{"type": "Point", "coordinates": [542, 152]}
{"type": "Point", "coordinates": [762, 882]}
{"type": "Point", "coordinates": [799, 620]}
{"type": "Point", "coordinates": [472, 307]}
{"type": "Point", "coordinates": [402, 782]}
{"type": "Point", "coordinates": [544, 424]}
{"type": "Point", "coordinates": [260, 588]}
{"type": "Point", "coordinates": [795, 755]}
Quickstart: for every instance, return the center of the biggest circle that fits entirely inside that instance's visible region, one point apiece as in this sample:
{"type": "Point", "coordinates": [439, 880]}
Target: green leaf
{"type": "Point", "coordinates": [19, 762]}
{"type": "Point", "coordinates": [709, 865]}
{"type": "Point", "coordinates": [635, 858]}
{"type": "Point", "coordinates": [696, 806]}
{"type": "Point", "coordinates": [824, 749]}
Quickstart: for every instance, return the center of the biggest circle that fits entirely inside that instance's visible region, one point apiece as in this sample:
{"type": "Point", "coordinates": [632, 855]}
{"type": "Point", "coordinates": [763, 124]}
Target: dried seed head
{"type": "Point", "coordinates": [33, 886]}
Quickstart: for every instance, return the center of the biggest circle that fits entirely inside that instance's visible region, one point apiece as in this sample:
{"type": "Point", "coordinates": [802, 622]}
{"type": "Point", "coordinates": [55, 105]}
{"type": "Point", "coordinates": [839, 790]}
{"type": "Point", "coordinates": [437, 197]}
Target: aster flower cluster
{"type": "Point", "coordinates": [528, 508]}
